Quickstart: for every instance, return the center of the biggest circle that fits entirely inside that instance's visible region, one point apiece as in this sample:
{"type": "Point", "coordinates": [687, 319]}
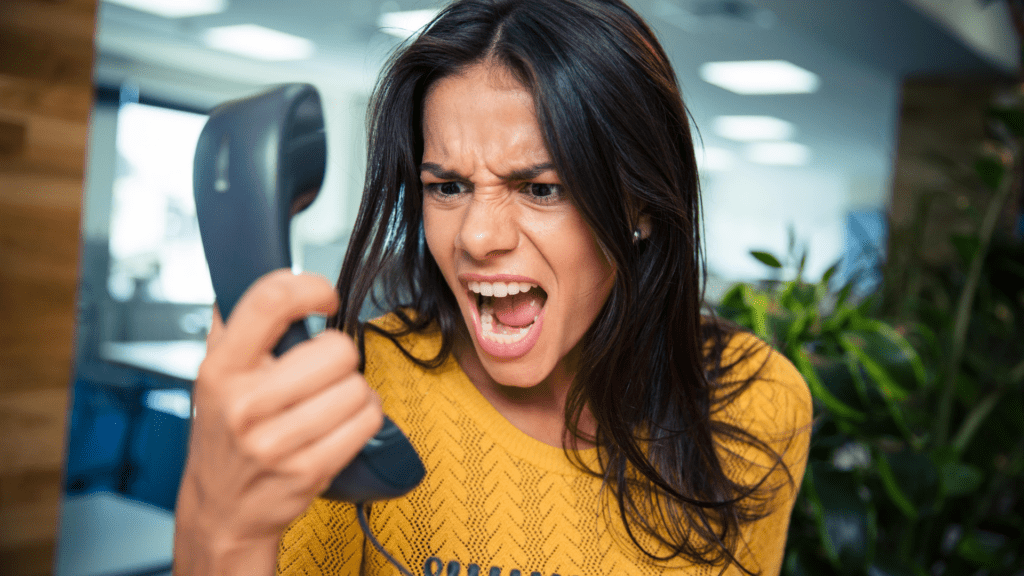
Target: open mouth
{"type": "Point", "coordinates": [508, 310]}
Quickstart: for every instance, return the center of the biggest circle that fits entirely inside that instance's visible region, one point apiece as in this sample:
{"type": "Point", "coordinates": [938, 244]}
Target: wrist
{"type": "Point", "coordinates": [198, 557]}
{"type": "Point", "coordinates": [203, 546]}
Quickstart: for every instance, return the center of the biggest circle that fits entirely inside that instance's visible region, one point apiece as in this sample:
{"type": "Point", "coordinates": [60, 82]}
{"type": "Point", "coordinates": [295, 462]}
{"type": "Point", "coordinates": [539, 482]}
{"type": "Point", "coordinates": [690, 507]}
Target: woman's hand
{"type": "Point", "coordinates": [269, 433]}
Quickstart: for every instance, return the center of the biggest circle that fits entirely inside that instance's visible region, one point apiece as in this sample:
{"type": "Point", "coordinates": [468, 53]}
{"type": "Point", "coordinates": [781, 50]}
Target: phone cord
{"type": "Point", "coordinates": [365, 525]}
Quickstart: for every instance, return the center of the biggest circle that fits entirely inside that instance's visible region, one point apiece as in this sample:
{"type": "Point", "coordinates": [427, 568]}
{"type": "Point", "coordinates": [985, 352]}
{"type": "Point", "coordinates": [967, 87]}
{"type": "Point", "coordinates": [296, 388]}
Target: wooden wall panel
{"type": "Point", "coordinates": [941, 134]}
{"type": "Point", "coordinates": [46, 55]}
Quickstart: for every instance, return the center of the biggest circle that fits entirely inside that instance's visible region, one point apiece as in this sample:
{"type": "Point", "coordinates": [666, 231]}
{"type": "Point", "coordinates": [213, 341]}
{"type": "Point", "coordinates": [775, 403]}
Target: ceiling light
{"type": "Point", "coordinates": [715, 159]}
{"type": "Point", "coordinates": [175, 8]}
{"type": "Point", "coordinates": [779, 153]}
{"type": "Point", "coordinates": [752, 128]}
{"type": "Point", "coordinates": [760, 77]}
{"type": "Point", "coordinates": [258, 42]}
{"type": "Point", "coordinates": [406, 23]}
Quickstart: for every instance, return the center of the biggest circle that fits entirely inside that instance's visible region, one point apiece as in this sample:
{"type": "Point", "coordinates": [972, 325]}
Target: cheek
{"type": "Point", "coordinates": [573, 244]}
{"type": "Point", "coordinates": [596, 274]}
{"type": "Point", "coordinates": [437, 234]}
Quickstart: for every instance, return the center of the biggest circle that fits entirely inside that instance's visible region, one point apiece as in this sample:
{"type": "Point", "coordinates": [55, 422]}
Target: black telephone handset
{"type": "Point", "coordinates": [259, 161]}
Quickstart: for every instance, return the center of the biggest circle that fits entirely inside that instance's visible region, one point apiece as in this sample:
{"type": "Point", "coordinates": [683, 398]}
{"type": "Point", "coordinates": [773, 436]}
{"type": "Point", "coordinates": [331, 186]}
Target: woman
{"type": "Point", "coordinates": [530, 219]}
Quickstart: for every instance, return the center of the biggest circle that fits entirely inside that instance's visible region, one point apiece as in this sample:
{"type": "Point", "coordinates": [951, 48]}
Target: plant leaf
{"type": "Point", "coordinates": [892, 488]}
{"type": "Point", "coordinates": [733, 298]}
{"type": "Point", "coordinates": [757, 302]}
{"type": "Point", "coordinates": [844, 294]}
{"type": "Point", "coordinates": [907, 349]}
{"type": "Point", "coordinates": [843, 518]}
{"type": "Point", "coordinates": [827, 276]}
{"type": "Point", "coordinates": [889, 387]}
{"type": "Point", "coordinates": [884, 388]}
{"type": "Point", "coordinates": [797, 327]}
{"type": "Point", "coordinates": [958, 479]}
{"type": "Point", "coordinates": [766, 258]}
{"type": "Point", "coordinates": [990, 170]}
{"type": "Point", "coordinates": [982, 548]}
{"type": "Point", "coordinates": [966, 246]}
{"type": "Point", "coordinates": [802, 362]}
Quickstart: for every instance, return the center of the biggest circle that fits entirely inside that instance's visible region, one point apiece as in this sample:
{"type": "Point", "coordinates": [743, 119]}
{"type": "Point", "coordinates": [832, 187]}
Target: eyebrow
{"type": "Point", "coordinates": [514, 176]}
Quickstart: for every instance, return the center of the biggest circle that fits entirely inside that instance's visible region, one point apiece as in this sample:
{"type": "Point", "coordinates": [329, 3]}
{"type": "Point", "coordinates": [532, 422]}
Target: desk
{"type": "Point", "coordinates": [106, 534]}
{"type": "Point", "coordinates": [175, 358]}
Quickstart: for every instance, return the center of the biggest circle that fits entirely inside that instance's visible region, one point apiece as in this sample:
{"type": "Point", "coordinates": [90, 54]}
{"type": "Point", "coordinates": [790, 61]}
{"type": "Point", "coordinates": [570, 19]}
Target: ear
{"type": "Point", "coordinates": [644, 225]}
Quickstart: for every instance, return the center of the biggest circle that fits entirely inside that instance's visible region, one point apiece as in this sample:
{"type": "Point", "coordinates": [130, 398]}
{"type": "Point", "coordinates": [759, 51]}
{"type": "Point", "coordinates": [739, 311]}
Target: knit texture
{"type": "Point", "coordinates": [496, 502]}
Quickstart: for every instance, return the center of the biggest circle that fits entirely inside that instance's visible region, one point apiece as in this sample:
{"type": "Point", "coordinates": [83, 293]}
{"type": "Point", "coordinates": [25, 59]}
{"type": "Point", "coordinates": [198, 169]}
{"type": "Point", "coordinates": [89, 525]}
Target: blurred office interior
{"type": "Point", "coordinates": [809, 163]}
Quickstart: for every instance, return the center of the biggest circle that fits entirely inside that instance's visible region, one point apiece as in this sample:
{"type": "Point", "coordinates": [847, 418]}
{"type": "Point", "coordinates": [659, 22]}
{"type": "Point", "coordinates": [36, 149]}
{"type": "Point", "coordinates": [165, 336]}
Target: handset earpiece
{"type": "Point", "coordinates": [259, 161]}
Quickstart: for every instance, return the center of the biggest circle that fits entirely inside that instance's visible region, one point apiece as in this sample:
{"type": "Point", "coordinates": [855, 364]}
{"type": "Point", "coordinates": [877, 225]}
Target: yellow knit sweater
{"type": "Point", "coordinates": [496, 502]}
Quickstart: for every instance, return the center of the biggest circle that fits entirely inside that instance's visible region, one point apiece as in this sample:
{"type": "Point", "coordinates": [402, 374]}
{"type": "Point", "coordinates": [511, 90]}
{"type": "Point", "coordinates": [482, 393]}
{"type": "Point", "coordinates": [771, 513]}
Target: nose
{"type": "Point", "coordinates": [488, 228]}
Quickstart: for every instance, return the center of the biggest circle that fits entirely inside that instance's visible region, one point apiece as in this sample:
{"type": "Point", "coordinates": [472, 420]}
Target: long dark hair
{"type": "Point", "coordinates": [651, 371]}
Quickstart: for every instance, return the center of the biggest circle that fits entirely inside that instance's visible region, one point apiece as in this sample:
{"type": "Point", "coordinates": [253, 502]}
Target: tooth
{"type": "Point", "coordinates": [500, 289]}
{"type": "Point", "coordinates": [474, 287]}
{"type": "Point", "coordinates": [513, 288]}
{"type": "Point", "coordinates": [525, 287]}
{"type": "Point", "coordinates": [487, 289]}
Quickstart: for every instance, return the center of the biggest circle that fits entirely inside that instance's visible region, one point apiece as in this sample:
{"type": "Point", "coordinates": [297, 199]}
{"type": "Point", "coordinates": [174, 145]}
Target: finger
{"type": "Point", "coordinates": [310, 420]}
{"type": "Point", "coordinates": [265, 311]}
{"type": "Point", "coordinates": [326, 457]}
{"type": "Point", "coordinates": [216, 329]}
{"type": "Point", "coordinates": [306, 370]}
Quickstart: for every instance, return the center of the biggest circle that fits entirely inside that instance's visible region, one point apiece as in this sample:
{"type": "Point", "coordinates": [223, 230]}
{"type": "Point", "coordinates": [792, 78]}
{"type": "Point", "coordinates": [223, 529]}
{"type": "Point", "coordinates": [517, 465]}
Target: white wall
{"type": "Point", "coordinates": [753, 208]}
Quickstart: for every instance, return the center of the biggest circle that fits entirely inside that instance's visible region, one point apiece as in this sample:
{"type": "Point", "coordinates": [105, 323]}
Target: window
{"type": "Point", "coordinates": [155, 246]}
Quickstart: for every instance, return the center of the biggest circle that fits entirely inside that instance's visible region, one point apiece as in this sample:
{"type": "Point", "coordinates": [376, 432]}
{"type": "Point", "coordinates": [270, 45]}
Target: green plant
{"type": "Point", "coordinates": [861, 371]}
{"type": "Point", "coordinates": [917, 451]}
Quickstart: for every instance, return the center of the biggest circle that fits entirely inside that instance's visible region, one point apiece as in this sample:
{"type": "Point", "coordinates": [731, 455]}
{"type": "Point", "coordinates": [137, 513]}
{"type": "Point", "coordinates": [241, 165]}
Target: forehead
{"type": "Point", "coordinates": [482, 111]}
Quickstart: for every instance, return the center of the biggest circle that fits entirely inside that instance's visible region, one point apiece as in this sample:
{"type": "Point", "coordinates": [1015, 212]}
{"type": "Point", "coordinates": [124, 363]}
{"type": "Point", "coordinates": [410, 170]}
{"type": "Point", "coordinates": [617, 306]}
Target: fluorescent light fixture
{"type": "Point", "coordinates": [258, 42]}
{"type": "Point", "coordinates": [175, 8]}
{"type": "Point", "coordinates": [715, 159]}
{"type": "Point", "coordinates": [778, 153]}
{"type": "Point", "coordinates": [760, 77]}
{"type": "Point", "coordinates": [406, 23]}
{"type": "Point", "coordinates": [753, 128]}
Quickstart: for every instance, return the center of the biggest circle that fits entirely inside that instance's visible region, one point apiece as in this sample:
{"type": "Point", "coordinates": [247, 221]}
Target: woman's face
{"type": "Point", "coordinates": [528, 274]}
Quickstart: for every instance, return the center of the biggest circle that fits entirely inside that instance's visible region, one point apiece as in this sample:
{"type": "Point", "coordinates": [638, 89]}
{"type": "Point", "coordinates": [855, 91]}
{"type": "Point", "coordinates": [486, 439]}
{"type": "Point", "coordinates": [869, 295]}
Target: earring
{"type": "Point", "coordinates": [636, 235]}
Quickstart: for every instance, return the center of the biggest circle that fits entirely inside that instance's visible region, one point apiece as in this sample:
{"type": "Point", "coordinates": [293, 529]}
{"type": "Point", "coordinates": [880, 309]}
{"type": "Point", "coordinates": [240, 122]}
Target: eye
{"type": "Point", "coordinates": [544, 192]}
{"type": "Point", "coordinates": [444, 189]}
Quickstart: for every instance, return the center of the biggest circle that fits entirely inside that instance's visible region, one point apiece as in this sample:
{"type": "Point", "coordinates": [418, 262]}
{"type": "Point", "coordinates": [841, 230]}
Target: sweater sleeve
{"type": "Point", "coordinates": [776, 409]}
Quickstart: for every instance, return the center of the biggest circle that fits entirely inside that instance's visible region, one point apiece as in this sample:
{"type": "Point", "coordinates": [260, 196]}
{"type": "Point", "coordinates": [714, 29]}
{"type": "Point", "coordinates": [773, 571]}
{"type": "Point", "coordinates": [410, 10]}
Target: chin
{"type": "Point", "coordinates": [520, 373]}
